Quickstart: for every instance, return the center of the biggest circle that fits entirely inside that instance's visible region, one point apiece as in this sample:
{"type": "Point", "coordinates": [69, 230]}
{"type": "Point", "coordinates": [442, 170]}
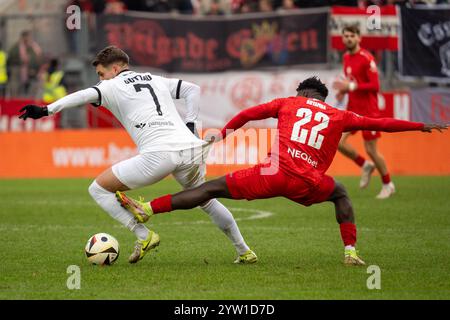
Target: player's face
{"type": "Point", "coordinates": [106, 73]}
{"type": "Point", "coordinates": [350, 39]}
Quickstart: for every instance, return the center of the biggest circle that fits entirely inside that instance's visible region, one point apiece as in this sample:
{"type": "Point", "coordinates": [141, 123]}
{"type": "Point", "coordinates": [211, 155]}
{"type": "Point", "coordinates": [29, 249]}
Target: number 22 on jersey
{"type": "Point", "coordinates": [300, 134]}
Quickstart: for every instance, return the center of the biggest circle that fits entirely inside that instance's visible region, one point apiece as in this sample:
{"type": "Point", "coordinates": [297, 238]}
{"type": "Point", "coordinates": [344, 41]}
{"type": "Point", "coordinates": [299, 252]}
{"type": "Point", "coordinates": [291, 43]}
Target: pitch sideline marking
{"type": "Point", "coordinates": [258, 214]}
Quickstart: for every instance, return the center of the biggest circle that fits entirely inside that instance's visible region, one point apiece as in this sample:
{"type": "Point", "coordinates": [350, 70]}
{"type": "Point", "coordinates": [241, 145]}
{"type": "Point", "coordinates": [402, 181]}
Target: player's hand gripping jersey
{"type": "Point", "coordinates": [309, 131]}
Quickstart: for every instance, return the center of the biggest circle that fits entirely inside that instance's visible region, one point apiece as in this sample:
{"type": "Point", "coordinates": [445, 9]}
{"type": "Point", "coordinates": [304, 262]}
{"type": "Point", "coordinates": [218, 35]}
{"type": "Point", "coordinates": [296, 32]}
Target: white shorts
{"type": "Point", "coordinates": [187, 166]}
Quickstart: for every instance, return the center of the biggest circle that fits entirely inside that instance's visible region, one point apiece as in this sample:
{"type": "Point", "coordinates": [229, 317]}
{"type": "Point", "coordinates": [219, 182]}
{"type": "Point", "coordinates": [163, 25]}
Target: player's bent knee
{"type": "Point", "coordinates": [341, 189]}
{"type": "Point", "coordinates": [339, 192]}
{"type": "Point", "coordinates": [93, 189]}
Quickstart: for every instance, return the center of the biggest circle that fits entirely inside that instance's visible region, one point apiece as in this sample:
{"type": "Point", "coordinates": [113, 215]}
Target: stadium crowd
{"type": "Point", "coordinates": [26, 71]}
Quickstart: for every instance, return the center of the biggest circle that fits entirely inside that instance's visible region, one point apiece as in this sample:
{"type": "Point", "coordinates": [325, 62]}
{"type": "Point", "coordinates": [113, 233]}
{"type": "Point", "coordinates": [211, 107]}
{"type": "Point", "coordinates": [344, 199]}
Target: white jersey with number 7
{"type": "Point", "coordinates": [143, 103]}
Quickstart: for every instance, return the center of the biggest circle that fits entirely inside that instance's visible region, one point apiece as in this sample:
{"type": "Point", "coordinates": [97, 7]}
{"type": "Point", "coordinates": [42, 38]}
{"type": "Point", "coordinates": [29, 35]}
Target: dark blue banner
{"type": "Point", "coordinates": [425, 42]}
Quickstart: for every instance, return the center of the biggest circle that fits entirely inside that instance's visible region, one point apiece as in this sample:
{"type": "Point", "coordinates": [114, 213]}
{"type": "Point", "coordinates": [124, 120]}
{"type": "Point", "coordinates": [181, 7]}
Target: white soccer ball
{"type": "Point", "coordinates": [102, 249]}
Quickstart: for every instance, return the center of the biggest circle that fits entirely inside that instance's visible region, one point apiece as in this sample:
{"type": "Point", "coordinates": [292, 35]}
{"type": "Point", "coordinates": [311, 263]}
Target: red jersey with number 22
{"type": "Point", "coordinates": [309, 131]}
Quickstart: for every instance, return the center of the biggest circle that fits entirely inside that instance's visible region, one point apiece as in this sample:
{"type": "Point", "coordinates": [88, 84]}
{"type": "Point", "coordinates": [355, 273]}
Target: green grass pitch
{"type": "Point", "coordinates": [45, 224]}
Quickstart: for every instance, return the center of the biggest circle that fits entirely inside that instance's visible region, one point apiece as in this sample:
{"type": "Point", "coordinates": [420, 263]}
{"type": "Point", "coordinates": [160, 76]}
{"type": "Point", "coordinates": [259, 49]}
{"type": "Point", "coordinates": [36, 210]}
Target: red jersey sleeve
{"type": "Point", "coordinates": [259, 112]}
{"type": "Point", "coordinates": [353, 122]}
{"type": "Point", "coordinates": [372, 75]}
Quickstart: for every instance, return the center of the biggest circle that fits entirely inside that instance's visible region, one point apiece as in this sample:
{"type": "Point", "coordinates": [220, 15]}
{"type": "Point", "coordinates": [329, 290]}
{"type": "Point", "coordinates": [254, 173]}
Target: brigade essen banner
{"type": "Point", "coordinates": [202, 44]}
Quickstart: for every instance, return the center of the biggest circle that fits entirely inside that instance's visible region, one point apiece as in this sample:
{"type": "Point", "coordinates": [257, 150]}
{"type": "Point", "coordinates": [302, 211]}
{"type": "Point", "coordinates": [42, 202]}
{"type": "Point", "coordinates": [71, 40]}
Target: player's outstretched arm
{"type": "Point", "coordinates": [353, 122]}
{"type": "Point", "coordinates": [259, 112]}
{"type": "Point", "coordinates": [75, 99]}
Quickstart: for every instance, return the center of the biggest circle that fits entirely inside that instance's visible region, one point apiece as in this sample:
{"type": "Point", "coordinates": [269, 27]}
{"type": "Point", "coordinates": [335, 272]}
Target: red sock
{"type": "Point", "coordinates": [348, 233]}
{"type": "Point", "coordinates": [359, 160]}
{"type": "Point", "coordinates": [386, 178]}
{"type": "Point", "coordinates": [162, 204]}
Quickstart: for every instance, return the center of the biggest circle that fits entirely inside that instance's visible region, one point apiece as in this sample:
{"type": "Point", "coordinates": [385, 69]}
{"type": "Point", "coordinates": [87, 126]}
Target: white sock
{"type": "Point", "coordinates": [349, 248]}
{"type": "Point", "coordinates": [107, 201]}
{"type": "Point", "coordinates": [223, 218]}
{"type": "Point", "coordinates": [141, 231]}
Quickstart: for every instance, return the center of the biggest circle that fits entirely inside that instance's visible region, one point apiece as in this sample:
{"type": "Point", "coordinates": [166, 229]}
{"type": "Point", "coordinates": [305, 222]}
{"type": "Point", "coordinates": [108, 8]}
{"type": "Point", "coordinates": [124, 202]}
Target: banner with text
{"type": "Point", "coordinates": [9, 117]}
{"type": "Point", "coordinates": [87, 153]}
{"type": "Point", "coordinates": [225, 94]}
{"type": "Point", "coordinates": [208, 44]}
{"type": "Point", "coordinates": [431, 105]}
{"type": "Point", "coordinates": [378, 25]}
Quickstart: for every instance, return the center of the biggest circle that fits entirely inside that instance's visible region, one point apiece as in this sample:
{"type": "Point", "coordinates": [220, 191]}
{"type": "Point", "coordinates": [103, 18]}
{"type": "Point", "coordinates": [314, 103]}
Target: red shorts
{"type": "Point", "coordinates": [367, 112]}
{"type": "Point", "coordinates": [369, 135]}
{"type": "Point", "coordinates": [250, 184]}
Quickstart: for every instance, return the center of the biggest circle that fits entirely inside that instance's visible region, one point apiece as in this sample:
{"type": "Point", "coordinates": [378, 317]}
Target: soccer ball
{"type": "Point", "coordinates": [102, 249]}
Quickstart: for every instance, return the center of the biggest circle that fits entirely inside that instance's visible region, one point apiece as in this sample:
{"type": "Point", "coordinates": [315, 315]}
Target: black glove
{"type": "Point", "coordinates": [33, 111]}
{"type": "Point", "coordinates": [191, 126]}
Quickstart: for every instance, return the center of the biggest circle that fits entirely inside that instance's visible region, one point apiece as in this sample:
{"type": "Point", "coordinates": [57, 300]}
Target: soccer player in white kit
{"type": "Point", "coordinates": [143, 103]}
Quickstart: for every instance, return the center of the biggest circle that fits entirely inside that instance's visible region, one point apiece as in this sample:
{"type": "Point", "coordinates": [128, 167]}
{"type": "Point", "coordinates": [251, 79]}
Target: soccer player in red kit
{"type": "Point", "coordinates": [309, 131]}
{"type": "Point", "coordinates": [361, 83]}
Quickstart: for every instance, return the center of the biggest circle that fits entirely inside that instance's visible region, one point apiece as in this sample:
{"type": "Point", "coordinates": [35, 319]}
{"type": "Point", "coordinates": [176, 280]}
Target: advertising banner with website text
{"type": "Point", "coordinates": [86, 153]}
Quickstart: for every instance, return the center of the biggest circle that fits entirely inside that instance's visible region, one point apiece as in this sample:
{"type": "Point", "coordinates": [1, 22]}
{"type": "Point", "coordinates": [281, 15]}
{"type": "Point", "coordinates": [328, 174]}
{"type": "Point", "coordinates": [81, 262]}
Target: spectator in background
{"type": "Point", "coordinates": [312, 3]}
{"type": "Point", "coordinates": [54, 84]}
{"type": "Point", "coordinates": [89, 6]}
{"type": "Point", "coordinates": [265, 6]}
{"type": "Point", "coordinates": [235, 5]}
{"type": "Point", "coordinates": [215, 7]}
{"type": "Point", "coordinates": [114, 7]}
{"type": "Point", "coordinates": [24, 62]}
{"type": "Point", "coordinates": [184, 6]}
{"type": "Point", "coordinates": [54, 88]}
{"type": "Point", "coordinates": [160, 6]}
{"type": "Point", "coordinates": [133, 5]}
{"type": "Point", "coordinates": [287, 5]}
{"type": "Point", "coordinates": [3, 71]}
{"type": "Point", "coordinates": [246, 6]}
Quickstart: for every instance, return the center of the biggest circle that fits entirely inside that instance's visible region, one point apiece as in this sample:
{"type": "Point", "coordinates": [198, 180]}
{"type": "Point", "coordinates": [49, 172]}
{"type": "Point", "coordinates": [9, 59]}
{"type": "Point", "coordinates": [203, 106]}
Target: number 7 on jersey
{"type": "Point", "coordinates": [139, 86]}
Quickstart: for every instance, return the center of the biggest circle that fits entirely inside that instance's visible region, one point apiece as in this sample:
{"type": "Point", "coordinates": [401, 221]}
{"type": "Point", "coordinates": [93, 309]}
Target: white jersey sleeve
{"type": "Point", "coordinates": [188, 91]}
{"type": "Point", "coordinates": [102, 93]}
{"type": "Point", "coordinates": [75, 99]}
